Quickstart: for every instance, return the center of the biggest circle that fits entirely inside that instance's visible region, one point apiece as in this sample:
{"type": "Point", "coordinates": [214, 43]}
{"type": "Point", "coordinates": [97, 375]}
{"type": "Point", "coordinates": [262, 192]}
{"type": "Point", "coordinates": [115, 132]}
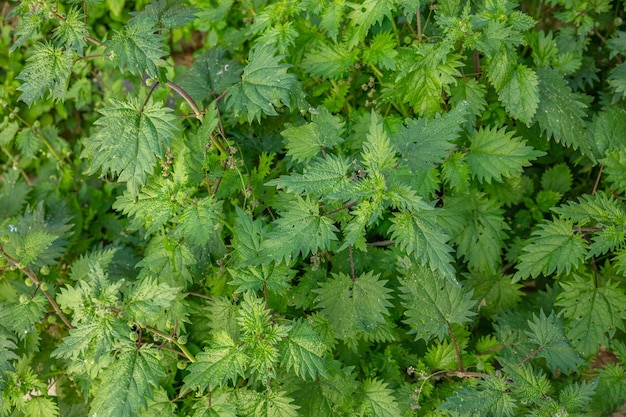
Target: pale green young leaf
{"type": "Point", "coordinates": [138, 48]}
{"type": "Point", "coordinates": [222, 315]}
{"type": "Point", "coordinates": [300, 230]}
{"type": "Point", "coordinates": [152, 207]}
{"type": "Point", "coordinates": [323, 177]}
{"type": "Point", "coordinates": [609, 239]}
{"type": "Point", "coordinates": [528, 384]}
{"type": "Point", "coordinates": [332, 17]}
{"type": "Point", "coordinates": [95, 338]}
{"type": "Point", "coordinates": [248, 236]}
{"type": "Point", "coordinates": [354, 308]}
{"type": "Point", "coordinates": [265, 86]}
{"type": "Point", "coordinates": [611, 389]}
{"type": "Point", "coordinates": [366, 14]}
{"type": "Point", "coordinates": [221, 362]}
{"type": "Point", "coordinates": [441, 355]}
{"type": "Point", "coordinates": [560, 113]}
{"type": "Point", "coordinates": [378, 400]}
{"type": "Point", "coordinates": [148, 300]}
{"type": "Point", "coordinates": [495, 154]}
{"type": "Point", "coordinates": [168, 259]}
{"type": "Point", "coordinates": [29, 27]}
{"type": "Point", "coordinates": [590, 209]}
{"type": "Point", "coordinates": [71, 32]}
{"type": "Point", "coordinates": [424, 75]}
{"type": "Point", "coordinates": [419, 235]}
{"type": "Point", "coordinates": [592, 313]}
{"type": "Point", "coordinates": [382, 51]}
{"type": "Point", "coordinates": [199, 220]}
{"type": "Point", "coordinates": [615, 168]}
{"type": "Point", "coordinates": [160, 405]}
{"type": "Point", "coordinates": [501, 66]}
{"type": "Point", "coordinates": [553, 247]}
{"type": "Point", "coordinates": [575, 397]}
{"type": "Point", "coordinates": [425, 142]}
{"type": "Point", "coordinates": [304, 351]}
{"type": "Point", "coordinates": [456, 172]}
{"type": "Point", "coordinates": [220, 403]}
{"type": "Point", "coordinates": [7, 354]}
{"type": "Point", "coordinates": [47, 69]}
{"type": "Point", "coordinates": [275, 278]}
{"type": "Point", "coordinates": [378, 155]}
{"type": "Point", "coordinates": [363, 215]}
{"type": "Point", "coordinates": [472, 92]}
{"type": "Point", "coordinates": [520, 95]}
{"type": "Point", "coordinates": [8, 129]}
{"type": "Point", "coordinates": [127, 383]}
{"type": "Point", "coordinates": [28, 142]}
{"type": "Point", "coordinates": [21, 318]}
{"type": "Point", "coordinates": [492, 396]}
{"type": "Point", "coordinates": [130, 138]}
{"type": "Point", "coordinates": [269, 404]}
{"type": "Point", "coordinates": [548, 334]}
{"type": "Point", "coordinates": [432, 303]}
{"type": "Point", "coordinates": [40, 406]}
{"type": "Point", "coordinates": [329, 61]}
{"type": "Point", "coordinates": [324, 131]}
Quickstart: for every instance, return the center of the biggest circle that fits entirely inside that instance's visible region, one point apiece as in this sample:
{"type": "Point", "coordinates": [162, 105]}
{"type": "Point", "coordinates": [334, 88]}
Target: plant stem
{"type": "Point", "coordinates": [171, 339]}
{"type": "Point", "coordinates": [456, 347]}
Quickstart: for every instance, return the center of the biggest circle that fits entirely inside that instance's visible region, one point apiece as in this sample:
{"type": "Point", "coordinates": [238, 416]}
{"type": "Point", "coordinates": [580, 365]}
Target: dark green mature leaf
{"type": "Point", "coordinates": [149, 300]}
{"type": "Point", "coordinates": [138, 48]}
{"type": "Point", "coordinates": [71, 31]}
{"type": "Point", "coordinates": [364, 15]}
{"type": "Point", "coordinates": [529, 384]}
{"type": "Point", "coordinates": [164, 13]}
{"type": "Point", "coordinates": [48, 68]}
{"type": "Point", "coordinates": [423, 143]}
{"type": "Point", "coordinates": [382, 51]}
{"type": "Point", "coordinates": [354, 308]}
{"type": "Point", "coordinates": [300, 230]}
{"type": "Point", "coordinates": [267, 404]}
{"type": "Point", "coordinates": [554, 246]}
{"type": "Point", "coordinates": [608, 126]}
{"type": "Point", "coordinates": [127, 383]}
{"type": "Point", "coordinates": [210, 75]}
{"type": "Point", "coordinates": [275, 278]}
{"type": "Point", "coordinates": [221, 362]}
{"type": "Point", "coordinates": [598, 208]}
{"type": "Point", "coordinates": [495, 153]}
{"type": "Point", "coordinates": [95, 339]}
{"type": "Point", "coordinates": [419, 235]}
{"type": "Point", "coordinates": [549, 336]}
{"type": "Point", "coordinates": [378, 154]}
{"type": "Point", "coordinates": [199, 220]}
{"type": "Point", "coordinates": [265, 86]}
{"type": "Point", "coordinates": [615, 168]}
{"type": "Point", "coordinates": [169, 259]}
{"type": "Point", "coordinates": [433, 304]}
{"type": "Point", "coordinates": [22, 317]}
{"type": "Point", "coordinates": [593, 313]}
{"type": "Point", "coordinates": [617, 80]}
{"type": "Point", "coordinates": [304, 351]}
{"type": "Point", "coordinates": [132, 135]}
{"type": "Point", "coordinates": [560, 113]}
{"type": "Point", "coordinates": [248, 237]}
{"type": "Point", "coordinates": [492, 396]}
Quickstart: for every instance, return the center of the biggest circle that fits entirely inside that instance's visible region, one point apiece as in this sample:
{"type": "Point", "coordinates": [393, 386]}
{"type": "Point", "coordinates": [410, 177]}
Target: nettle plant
{"type": "Point", "coordinates": [317, 208]}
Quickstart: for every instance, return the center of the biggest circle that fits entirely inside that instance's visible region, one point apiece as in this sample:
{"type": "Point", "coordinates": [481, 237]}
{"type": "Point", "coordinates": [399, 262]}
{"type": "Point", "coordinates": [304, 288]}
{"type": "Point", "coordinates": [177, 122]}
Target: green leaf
{"type": "Point", "coordinates": [576, 397]}
{"type": "Point", "coordinates": [520, 95]}
{"type": "Point", "coordinates": [127, 383]}
{"type": "Point", "coordinates": [304, 143]}
{"type": "Point", "coordinates": [138, 48]}
{"type": "Point", "coordinates": [39, 406]}
{"type": "Point", "coordinates": [148, 300]}
{"type": "Point", "coordinates": [329, 61]}
{"type": "Point", "coordinates": [211, 74]}
{"type": "Point", "coordinates": [168, 259]}
{"type": "Point", "coordinates": [593, 313]}
{"type": "Point", "coordinates": [425, 142]}
{"type": "Point", "coordinates": [94, 339]}
{"type": "Point", "coordinates": [169, 14]}
{"type": "Point", "coordinates": [382, 51]}
{"type": "Point", "coordinates": [491, 397]}
{"type": "Point", "coordinates": [552, 247]}
{"type": "Point", "coordinates": [378, 155]}
{"type": "Point", "coordinates": [495, 153]}
{"type": "Point", "coordinates": [131, 136]}
{"type": "Point", "coordinates": [29, 26]}
{"type": "Point", "coordinates": [71, 31]}
{"type": "Point", "coordinates": [529, 384]}
{"type": "Point", "coordinates": [557, 178]}
{"type": "Point", "coordinates": [366, 14]}
{"type": "Point", "coordinates": [615, 168]}
{"type": "Point", "coordinates": [304, 351]}
{"type": "Point", "coordinates": [48, 68]}
{"type": "Point", "coordinates": [300, 230]}
{"type": "Point", "coordinates": [271, 404]}
{"type": "Point", "coordinates": [378, 399]}
{"type": "Point", "coordinates": [560, 113]}
{"type": "Point", "coordinates": [617, 80]}
{"type": "Point", "coordinates": [599, 208]}
{"type": "Point", "coordinates": [611, 389]}
{"type": "Point", "coordinates": [247, 238]}
{"type": "Point", "coordinates": [607, 127]}
{"type": "Point", "coordinates": [221, 362]}
{"type": "Point", "coordinates": [552, 344]}
{"type": "Point", "coordinates": [22, 317]}
{"type": "Point", "coordinates": [433, 304]}
{"type": "Point", "coordinates": [265, 86]}
{"type": "Point", "coordinates": [275, 278]}
{"type": "Point", "coordinates": [354, 307]}
{"type": "Point", "coordinates": [199, 220]}
{"type": "Point", "coordinates": [419, 235]}
{"type": "Point", "coordinates": [321, 178]}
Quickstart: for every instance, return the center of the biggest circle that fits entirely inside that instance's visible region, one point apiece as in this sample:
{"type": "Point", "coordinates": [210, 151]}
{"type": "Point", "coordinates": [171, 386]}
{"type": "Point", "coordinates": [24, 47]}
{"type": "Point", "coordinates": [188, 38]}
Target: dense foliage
{"type": "Point", "coordinates": [321, 208]}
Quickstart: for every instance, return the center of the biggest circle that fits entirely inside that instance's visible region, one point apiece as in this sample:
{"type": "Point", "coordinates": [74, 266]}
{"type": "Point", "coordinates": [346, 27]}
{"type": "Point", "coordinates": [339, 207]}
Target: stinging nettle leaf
{"type": "Point", "coordinates": [378, 400]}
{"type": "Point", "coordinates": [304, 351]}
{"type": "Point", "coordinates": [520, 95]}
{"type": "Point", "coordinates": [138, 49]}
{"type": "Point", "coordinates": [265, 86]}
{"type": "Point", "coordinates": [131, 137]}
{"type": "Point", "coordinates": [495, 153]}
{"type": "Point", "coordinates": [329, 61]}
{"type": "Point", "coordinates": [303, 143]}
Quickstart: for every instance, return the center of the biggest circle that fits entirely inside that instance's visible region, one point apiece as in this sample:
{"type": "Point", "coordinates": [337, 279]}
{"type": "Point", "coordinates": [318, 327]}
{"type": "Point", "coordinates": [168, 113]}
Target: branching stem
{"type": "Point", "coordinates": [456, 347]}
{"type": "Point", "coordinates": [173, 340]}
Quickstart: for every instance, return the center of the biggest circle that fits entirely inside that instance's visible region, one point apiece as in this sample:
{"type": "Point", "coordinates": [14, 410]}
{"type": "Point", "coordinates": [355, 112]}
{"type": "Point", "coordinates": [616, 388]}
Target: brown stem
{"type": "Point", "coordinates": [595, 185]}
{"type": "Point", "coordinates": [181, 92]}
{"type": "Point", "coordinates": [195, 294]}
{"type": "Point", "coordinates": [456, 347]}
{"type": "Point", "coordinates": [342, 208]}
{"type": "Point", "coordinates": [382, 243]}
{"type": "Point", "coordinates": [419, 24]}
{"type": "Point", "coordinates": [530, 355]}
{"type": "Point", "coordinates": [352, 274]}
